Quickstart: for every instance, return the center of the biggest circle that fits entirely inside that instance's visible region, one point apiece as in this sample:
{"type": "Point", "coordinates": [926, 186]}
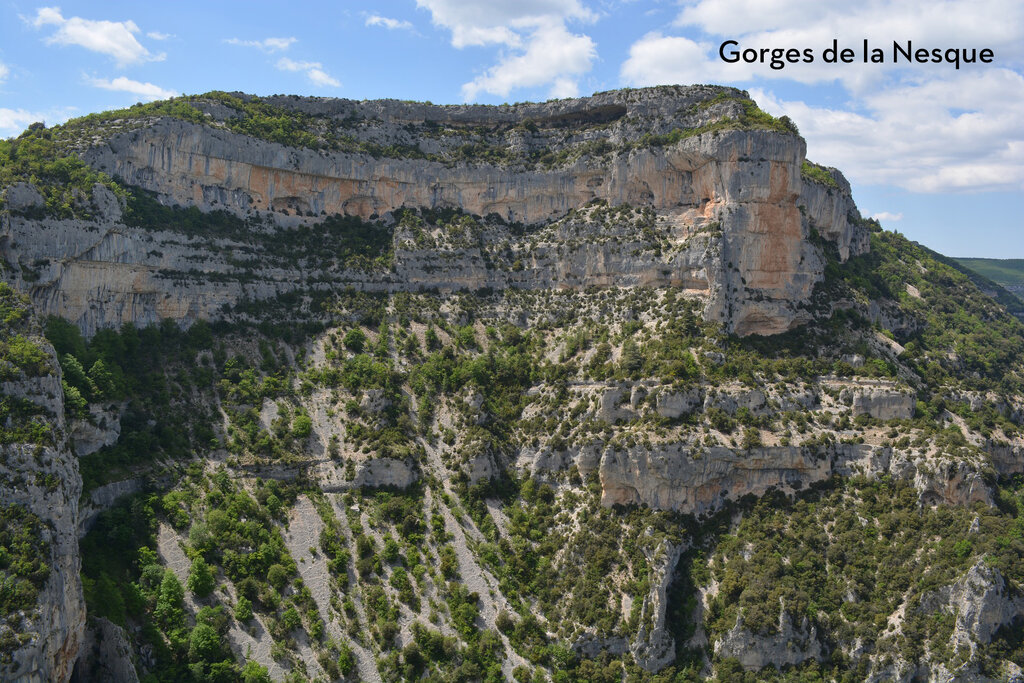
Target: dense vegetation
{"type": "Point", "coordinates": [22, 356]}
{"type": "Point", "coordinates": [403, 381]}
{"type": "Point", "coordinates": [851, 554]}
{"type": "Point", "coordinates": [818, 174]}
{"type": "Point", "coordinates": [130, 367]}
{"type": "Point", "coordinates": [336, 242]}
{"type": "Point", "coordinates": [269, 538]}
{"type": "Point", "coordinates": [956, 335]}
{"type": "Point", "coordinates": [65, 181]}
{"type": "Point", "coordinates": [23, 570]}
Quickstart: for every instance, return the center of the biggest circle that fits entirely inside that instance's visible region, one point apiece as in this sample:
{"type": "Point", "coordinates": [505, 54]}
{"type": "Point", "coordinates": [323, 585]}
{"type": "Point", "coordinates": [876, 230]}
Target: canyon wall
{"type": "Point", "coordinates": [733, 213]}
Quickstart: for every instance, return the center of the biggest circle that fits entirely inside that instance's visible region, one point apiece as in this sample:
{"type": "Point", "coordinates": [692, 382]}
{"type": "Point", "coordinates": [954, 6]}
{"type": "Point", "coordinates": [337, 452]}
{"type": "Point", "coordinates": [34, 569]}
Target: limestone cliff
{"type": "Point", "coordinates": [39, 476]}
{"type": "Point", "coordinates": [727, 213]}
{"type": "Point", "coordinates": [519, 370]}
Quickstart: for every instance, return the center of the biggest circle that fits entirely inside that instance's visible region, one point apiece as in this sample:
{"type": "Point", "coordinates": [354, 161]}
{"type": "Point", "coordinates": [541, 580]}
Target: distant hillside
{"type": "Point", "coordinates": [1008, 272]}
{"type": "Point", "coordinates": [998, 278]}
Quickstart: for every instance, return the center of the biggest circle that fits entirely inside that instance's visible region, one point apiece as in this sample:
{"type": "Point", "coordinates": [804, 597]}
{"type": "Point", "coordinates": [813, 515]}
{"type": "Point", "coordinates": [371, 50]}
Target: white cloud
{"type": "Point", "coordinates": [313, 70]}
{"type": "Point", "coordinates": [500, 21]}
{"type": "Point", "coordinates": [4, 70]}
{"type": "Point", "coordinates": [322, 78]}
{"type": "Point", "coordinates": [813, 24]}
{"type": "Point", "coordinates": [657, 59]}
{"type": "Point", "coordinates": [539, 49]}
{"type": "Point", "coordinates": [552, 55]}
{"type": "Point", "coordinates": [113, 38]}
{"type": "Point", "coordinates": [887, 216]}
{"type": "Point", "coordinates": [14, 121]}
{"type": "Point", "coordinates": [387, 22]}
{"type": "Point", "coordinates": [157, 35]}
{"type": "Point", "coordinates": [146, 92]}
{"type": "Point", "coordinates": [960, 134]}
{"type": "Point", "coordinates": [267, 44]}
{"type": "Point", "coordinates": [924, 127]}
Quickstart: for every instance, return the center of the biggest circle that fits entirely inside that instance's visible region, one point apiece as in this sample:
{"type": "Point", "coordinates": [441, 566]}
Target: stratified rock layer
{"type": "Point", "coordinates": [733, 212]}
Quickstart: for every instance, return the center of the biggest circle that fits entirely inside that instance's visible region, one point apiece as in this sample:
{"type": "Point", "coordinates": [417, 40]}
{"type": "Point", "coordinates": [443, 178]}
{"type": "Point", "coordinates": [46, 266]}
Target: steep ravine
{"type": "Point", "coordinates": [538, 392]}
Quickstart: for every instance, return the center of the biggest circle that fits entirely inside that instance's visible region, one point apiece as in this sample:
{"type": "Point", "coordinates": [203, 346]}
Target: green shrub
{"type": "Point", "coordinates": [201, 578]}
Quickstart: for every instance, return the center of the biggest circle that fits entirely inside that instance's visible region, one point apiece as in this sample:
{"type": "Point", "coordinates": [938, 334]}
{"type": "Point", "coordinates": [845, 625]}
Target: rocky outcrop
{"type": "Point", "coordinates": [787, 646]}
{"type": "Point", "coordinates": [695, 479]}
{"type": "Point", "coordinates": [1007, 459]}
{"type": "Point", "coordinates": [669, 477]}
{"type": "Point", "coordinates": [44, 479]}
{"type": "Point", "coordinates": [101, 428]}
{"type": "Point", "coordinates": [676, 403]}
{"type": "Point", "coordinates": [106, 654]}
{"type": "Point", "coordinates": [831, 211]}
{"type": "Point", "coordinates": [653, 647]}
{"type": "Point", "coordinates": [370, 473]}
{"type": "Point", "coordinates": [982, 602]}
{"type": "Point", "coordinates": [23, 197]}
{"type": "Point", "coordinates": [879, 399]}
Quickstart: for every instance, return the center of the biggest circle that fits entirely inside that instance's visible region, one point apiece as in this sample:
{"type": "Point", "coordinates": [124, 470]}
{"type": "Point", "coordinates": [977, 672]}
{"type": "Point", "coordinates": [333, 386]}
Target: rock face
{"type": "Point", "coordinates": [877, 399]}
{"type": "Point", "coordinates": [731, 211]}
{"type": "Point", "coordinates": [106, 654]}
{"type": "Point", "coordinates": [101, 428]}
{"type": "Point", "coordinates": [828, 210]}
{"type": "Point", "coordinates": [787, 646]}
{"type": "Point", "coordinates": [982, 602]}
{"type": "Point", "coordinates": [693, 479]}
{"type": "Point", "coordinates": [44, 479]}
{"type": "Point", "coordinates": [653, 647]}
{"type": "Point", "coordinates": [670, 478]}
{"type": "Point", "coordinates": [371, 473]}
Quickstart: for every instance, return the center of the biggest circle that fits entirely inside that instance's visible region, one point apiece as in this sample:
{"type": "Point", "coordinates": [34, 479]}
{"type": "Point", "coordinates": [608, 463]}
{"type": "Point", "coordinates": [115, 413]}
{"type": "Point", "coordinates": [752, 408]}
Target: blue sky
{"type": "Point", "coordinates": [933, 151]}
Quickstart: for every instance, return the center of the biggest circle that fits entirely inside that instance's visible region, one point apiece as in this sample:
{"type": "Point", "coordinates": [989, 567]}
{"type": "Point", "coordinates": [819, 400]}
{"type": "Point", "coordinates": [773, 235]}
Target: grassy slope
{"type": "Point", "coordinates": [1008, 272]}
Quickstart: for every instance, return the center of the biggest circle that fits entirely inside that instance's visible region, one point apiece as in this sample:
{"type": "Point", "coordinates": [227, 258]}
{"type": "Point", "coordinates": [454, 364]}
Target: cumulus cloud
{"type": "Point", "coordinates": [146, 92]}
{"type": "Point", "coordinates": [552, 56]}
{"type": "Point", "coordinates": [538, 48]}
{"type": "Point", "coordinates": [814, 24]}
{"type": "Point", "coordinates": [924, 127]}
{"type": "Point", "coordinates": [658, 59]}
{"type": "Point", "coordinates": [500, 21]}
{"type": "Point", "coordinates": [267, 44]}
{"type": "Point", "coordinates": [887, 217]}
{"type": "Point", "coordinates": [13, 121]}
{"type": "Point", "coordinates": [959, 134]}
{"type": "Point", "coordinates": [314, 71]}
{"type": "Point", "coordinates": [387, 22]}
{"type": "Point", "coordinates": [16, 120]}
{"type": "Point", "coordinates": [113, 38]}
